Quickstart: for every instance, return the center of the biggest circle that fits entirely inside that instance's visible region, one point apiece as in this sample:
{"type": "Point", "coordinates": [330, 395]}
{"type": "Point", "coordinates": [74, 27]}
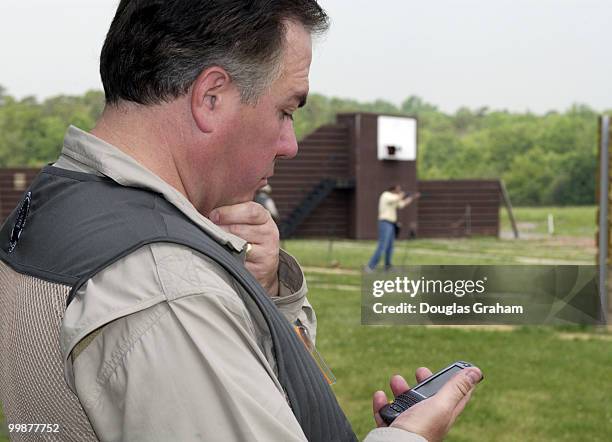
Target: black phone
{"type": "Point", "coordinates": [421, 391]}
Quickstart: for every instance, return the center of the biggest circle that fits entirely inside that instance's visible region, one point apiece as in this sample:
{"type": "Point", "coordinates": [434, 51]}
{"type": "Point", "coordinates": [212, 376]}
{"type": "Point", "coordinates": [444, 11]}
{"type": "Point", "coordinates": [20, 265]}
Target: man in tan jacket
{"type": "Point", "coordinates": [390, 201]}
{"type": "Point", "coordinates": [165, 338]}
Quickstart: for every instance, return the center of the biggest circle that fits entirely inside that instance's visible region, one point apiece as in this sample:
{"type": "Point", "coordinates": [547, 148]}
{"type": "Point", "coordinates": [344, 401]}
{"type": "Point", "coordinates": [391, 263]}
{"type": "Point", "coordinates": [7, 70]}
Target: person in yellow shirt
{"type": "Point", "coordinates": [390, 201]}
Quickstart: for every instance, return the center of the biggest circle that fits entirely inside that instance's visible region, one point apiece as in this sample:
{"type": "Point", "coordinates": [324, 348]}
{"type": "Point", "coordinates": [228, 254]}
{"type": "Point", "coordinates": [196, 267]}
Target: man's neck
{"type": "Point", "coordinates": [144, 133]}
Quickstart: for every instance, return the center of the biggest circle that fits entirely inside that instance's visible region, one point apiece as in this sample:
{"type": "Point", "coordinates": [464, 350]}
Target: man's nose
{"type": "Point", "coordinates": [288, 146]}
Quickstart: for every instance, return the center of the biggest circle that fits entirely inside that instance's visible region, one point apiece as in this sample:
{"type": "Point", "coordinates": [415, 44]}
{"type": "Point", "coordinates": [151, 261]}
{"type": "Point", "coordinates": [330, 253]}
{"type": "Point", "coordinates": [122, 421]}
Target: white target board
{"type": "Point", "coordinates": [397, 138]}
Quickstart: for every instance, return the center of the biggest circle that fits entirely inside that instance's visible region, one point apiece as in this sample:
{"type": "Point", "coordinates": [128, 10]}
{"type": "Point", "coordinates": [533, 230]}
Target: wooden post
{"type": "Point", "coordinates": [551, 224]}
{"type": "Point", "coordinates": [604, 215]}
{"type": "Point", "coordinates": [508, 205]}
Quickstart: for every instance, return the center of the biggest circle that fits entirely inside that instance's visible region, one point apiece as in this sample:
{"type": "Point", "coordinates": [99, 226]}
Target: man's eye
{"type": "Point", "coordinates": [287, 115]}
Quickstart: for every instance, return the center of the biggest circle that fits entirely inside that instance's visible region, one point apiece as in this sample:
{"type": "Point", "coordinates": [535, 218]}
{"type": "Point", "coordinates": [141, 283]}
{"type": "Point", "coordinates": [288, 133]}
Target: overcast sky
{"type": "Point", "coordinates": [505, 54]}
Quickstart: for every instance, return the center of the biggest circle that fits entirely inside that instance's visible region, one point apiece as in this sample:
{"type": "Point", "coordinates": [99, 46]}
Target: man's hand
{"type": "Point", "coordinates": [433, 417]}
{"type": "Point", "coordinates": [411, 198]}
{"type": "Point", "coordinates": [253, 223]}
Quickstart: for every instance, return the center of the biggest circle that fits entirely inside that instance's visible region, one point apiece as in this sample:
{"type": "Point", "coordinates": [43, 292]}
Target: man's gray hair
{"type": "Point", "coordinates": [155, 49]}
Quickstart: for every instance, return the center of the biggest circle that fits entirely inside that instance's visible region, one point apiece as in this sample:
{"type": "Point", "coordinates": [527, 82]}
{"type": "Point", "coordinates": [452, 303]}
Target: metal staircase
{"type": "Point", "coordinates": [310, 202]}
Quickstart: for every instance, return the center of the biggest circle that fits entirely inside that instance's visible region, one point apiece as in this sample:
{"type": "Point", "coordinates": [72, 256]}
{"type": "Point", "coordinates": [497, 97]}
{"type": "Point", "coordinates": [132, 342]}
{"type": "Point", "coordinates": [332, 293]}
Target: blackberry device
{"type": "Point", "coordinates": [421, 391]}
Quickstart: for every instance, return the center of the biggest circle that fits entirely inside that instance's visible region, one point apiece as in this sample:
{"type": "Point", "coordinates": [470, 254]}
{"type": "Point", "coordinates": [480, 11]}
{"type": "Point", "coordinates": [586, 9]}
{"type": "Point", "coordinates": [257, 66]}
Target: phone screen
{"type": "Point", "coordinates": [432, 385]}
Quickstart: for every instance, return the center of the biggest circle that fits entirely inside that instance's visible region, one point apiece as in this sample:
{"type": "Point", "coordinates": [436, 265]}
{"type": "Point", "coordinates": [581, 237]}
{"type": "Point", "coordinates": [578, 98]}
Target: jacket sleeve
{"type": "Point", "coordinates": [391, 434]}
{"type": "Point", "coordinates": [395, 200]}
{"type": "Point", "coordinates": [292, 301]}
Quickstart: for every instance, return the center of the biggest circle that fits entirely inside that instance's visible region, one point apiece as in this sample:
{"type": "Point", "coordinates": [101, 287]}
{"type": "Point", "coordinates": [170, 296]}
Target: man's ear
{"type": "Point", "coordinates": [210, 95]}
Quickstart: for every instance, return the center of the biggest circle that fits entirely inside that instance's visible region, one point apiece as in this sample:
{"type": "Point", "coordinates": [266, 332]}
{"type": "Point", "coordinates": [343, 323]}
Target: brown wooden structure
{"type": "Point", "coordinates": [323, 155]}
{"type": "Point", "coordinates": [459, 208]}
{"type": "Point", "coordinates": [13, 182]}
{"type": "Point", "coordinates": [603, 235]}
{"type": "Point", "coordinates": [331, 189]}
{"type": "Point", "coordinates": [344, 155]}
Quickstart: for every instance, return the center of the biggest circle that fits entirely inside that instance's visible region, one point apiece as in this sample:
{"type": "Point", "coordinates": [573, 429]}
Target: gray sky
{"type": "Point", "coordinates": [517, 55]}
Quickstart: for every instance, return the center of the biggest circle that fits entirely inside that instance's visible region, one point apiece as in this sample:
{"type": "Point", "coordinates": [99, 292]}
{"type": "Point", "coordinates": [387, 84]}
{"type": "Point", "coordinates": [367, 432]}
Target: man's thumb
{"type": "Point", "coordinates": [459, 386]}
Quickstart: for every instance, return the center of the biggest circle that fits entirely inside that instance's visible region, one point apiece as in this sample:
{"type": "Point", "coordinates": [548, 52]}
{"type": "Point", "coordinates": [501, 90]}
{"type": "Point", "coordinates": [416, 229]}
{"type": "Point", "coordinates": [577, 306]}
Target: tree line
{"type": "Point", "coordinates": [544, 159]}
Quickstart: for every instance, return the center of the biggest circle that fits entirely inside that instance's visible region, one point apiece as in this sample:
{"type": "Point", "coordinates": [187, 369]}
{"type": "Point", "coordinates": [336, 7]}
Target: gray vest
{"type": "Point", "coordinates": [68, 227]}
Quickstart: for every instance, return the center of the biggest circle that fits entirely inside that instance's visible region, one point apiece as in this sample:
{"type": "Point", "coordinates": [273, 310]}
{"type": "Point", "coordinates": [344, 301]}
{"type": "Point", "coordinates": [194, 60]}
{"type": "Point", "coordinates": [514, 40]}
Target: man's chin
{"type": "Point", "coordinates": [245, 198]}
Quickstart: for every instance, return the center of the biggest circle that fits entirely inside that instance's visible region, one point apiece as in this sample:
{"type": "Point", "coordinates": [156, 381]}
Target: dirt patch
{"type": "Point", "coordinates": [329, 271]}
{"type": "Point", "coordinates": [503, 328]}
{"type": "Point", "coordinates": [526, 226]}
{"type": "Point", "coordinates": [578, 241]}
{"type": "Point", "coordinates": [339, 287]}
{"type": "Point", "coordinates": [585, 336]}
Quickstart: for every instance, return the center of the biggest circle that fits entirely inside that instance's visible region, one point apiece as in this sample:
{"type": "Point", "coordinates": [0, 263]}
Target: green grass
{"type": "Point", "coordinates": [540, 383]}
{"type": "Point", "coordinates": [482, 250]}
{"type": "Point", "coordinates": [538, 386]}
{"type": "Point", "coordinates": [573, 242]}
{"type": "Point", "coordinates": [3, 429]}
{"type": "Point", "coordinates": [568, 221]}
